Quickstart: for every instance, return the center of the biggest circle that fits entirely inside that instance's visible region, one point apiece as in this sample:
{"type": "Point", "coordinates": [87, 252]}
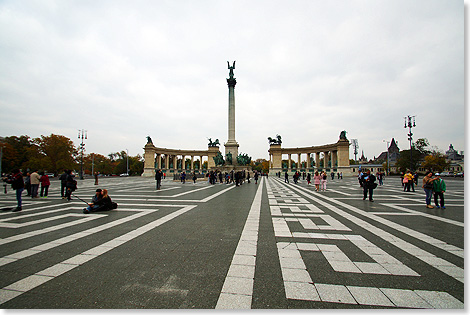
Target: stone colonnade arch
{"type": "Point", "coordinates": [166, 159]}
{"type": "Point", "coordinates": [335, 158]}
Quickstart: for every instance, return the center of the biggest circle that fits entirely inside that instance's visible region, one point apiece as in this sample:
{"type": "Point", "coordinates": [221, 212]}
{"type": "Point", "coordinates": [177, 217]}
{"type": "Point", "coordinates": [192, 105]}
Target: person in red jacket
{"type": "Point", "coordinates": [45, 183]}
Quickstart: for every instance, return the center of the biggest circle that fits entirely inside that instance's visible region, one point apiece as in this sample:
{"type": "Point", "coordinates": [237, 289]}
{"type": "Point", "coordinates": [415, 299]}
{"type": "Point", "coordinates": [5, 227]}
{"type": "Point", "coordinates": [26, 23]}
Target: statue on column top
{"type": "Point", "coordinates": [231, 69]}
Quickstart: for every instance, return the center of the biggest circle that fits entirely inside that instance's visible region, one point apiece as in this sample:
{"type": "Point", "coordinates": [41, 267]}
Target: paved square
{"type": "Point", "coordinates": [268, 246]}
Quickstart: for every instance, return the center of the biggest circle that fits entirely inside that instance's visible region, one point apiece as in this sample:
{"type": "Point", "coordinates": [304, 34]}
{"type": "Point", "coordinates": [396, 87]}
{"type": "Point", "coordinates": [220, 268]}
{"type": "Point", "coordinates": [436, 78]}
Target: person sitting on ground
{"type": "Point", "coordinates": [95, 202]}
{"type": "Point", "coordinates": [104, 203]}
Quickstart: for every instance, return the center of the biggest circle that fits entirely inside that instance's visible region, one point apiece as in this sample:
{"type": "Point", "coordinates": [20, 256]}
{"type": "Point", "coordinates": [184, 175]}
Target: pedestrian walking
{"type": "Point", "coordinates": [17, 184]}
{"type": "Point", "coordinates": [34, 178]}
{"type": "Point", "coordinates": [183, 177]}
{"type": "Point", "coordinates": [379, 176]}
{"type": "Point", "coordinates": [408, 181]}
{"type": "Point", "coordinates": [63, 181]}
{"type": "Point", "coordinates": [256, 177]}
{"type": "Point", "coordinates": [359, 178]}
{"type": "Point", "coordinates": [194, 177]}
{"type": "Point", "coordinates": [439, 188]}
{"type": "Point", "coordinates": [96, 178]}
{"type": "Point", "coordinates": [27, 183]}
{"type": "Point", "coordinates": [428, 185]}
{"type": "Point", "coordinates": [309, 177]}
{"type": "Point", "coordinates": [286, 178]}
{"type": "Point", "coordinates": [45, 183]}
{"type": "Point", "coordinates": [70, 185]}
{"type": "Point", "coordinates": [317, 181]}
{"type": "Point", "coordinates": [158, 178]}
{"type": "Point", "coordinates": [369, 185]}
{"type": "Point", "coordinates": [323, 181]}
{"type": "Point", "coordinates": [332, 175]}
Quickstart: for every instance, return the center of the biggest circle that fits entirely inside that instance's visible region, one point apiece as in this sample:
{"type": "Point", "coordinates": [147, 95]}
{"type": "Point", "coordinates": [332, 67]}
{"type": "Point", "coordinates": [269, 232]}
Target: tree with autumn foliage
{"type": "Point", "coordinates": [435, 162]}
{"type": "Point", "coordinates": [52, 153]}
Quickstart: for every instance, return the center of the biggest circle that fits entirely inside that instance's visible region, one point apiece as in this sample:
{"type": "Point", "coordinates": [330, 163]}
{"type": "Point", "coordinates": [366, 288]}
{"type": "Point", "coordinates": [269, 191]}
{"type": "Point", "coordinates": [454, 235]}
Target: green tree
{"type": "Point", "coordinates": [52, 153]}
{"type": "Point", "coordinates": [101, 164]}
{"type": "Point", "coordinates": [260, 165]}
{"type": "Point", "coordinates": [136, 165]}
{"type": "Point", "coordinates": [435, 162]}
{"type": "Point", "coordinates": [421, 145]}
{"type": "Point", "coordinates": [15, 152]}
{"type": "Point", "coordinates": [403, 162]}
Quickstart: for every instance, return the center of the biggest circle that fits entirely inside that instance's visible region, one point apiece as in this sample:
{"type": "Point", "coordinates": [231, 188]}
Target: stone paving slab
{"type": "Point", "coordinates": [267, 246]}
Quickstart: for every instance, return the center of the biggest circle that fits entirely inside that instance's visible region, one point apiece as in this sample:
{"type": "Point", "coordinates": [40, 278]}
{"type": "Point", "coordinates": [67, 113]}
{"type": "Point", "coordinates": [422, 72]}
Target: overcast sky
{"type": "Point", "coordinates": [305, 69]}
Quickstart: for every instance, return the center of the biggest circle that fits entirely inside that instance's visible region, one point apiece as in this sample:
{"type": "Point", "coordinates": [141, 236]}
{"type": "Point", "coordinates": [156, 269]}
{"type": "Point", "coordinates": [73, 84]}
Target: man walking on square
{"type": "Point", "coordinates": [17, 183]}
{"type": "Point", "coordinates": [158, 178]}
{"type": "Point", "coordinates": [34, 184]}
{"type": "Point", "coordinates": [439, 188]}
{"type": "Point", "coordinates": [368, 180]}
{"type": "Point", "coordinates": [63, 182]}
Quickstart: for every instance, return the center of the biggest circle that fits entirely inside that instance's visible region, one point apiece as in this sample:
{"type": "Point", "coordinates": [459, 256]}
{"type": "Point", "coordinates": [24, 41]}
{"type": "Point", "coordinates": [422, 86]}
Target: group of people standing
{"type": "Point", "coordinates": [434, 185]}
{"type": "Point", "coordinates": [29, 181]}
{"type": "Point", "coordinates": [409, 180]}
{"type": "Point", "coordinates": [320, 179]}
{"type": "Point", "coordinates": [33, 180]}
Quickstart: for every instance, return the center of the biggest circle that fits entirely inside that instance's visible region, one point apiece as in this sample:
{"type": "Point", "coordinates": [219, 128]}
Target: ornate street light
{"type": "Point", "coordinates": [409, 124]}
{"type": "Point", "coordinates": [82, 134]}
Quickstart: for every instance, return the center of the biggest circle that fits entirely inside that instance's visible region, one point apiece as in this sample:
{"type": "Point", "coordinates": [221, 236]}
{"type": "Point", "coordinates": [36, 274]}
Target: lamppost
{"type": "Point", "coordinates": [388, 158]}
{"type": "Point", "coordinates": [408, 124]}
{"type": "Point", "coordinates": [355, 146]}
{"type": "Point", "coordinates": [127, 165]}
{"type": "Point", "coordinates": [83, 135]}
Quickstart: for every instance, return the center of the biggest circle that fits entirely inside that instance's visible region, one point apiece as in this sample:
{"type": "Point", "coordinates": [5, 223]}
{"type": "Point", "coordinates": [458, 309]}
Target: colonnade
{"type": "Point", "coordinates": [167, 159]}
{"type": "Point", "coordinates": [331, 157]}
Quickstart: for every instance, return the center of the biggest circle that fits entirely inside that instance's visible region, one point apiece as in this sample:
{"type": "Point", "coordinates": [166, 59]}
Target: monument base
{"type": "Point", "coordinates": [148, 172]}
{"type": "Point", "coordinates": [232, 148]}
{"type": "Point", "coordinates": [229, 168]}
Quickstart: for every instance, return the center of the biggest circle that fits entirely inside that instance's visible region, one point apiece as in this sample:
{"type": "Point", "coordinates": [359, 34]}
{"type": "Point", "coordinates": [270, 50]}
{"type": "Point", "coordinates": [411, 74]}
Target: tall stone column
{"type": "Point", "coordinates": [159, 161]}
{"type": "Point", "coordinates": [231, 145]}
{"type": "Point", "coordinates": [167, 161]}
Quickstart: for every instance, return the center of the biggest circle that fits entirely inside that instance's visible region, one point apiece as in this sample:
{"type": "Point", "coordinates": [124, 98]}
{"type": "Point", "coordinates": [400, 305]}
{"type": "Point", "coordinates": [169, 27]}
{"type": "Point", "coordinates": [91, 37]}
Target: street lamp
{"type": "Point", "coordinates": [355, 146]}
{"type": "Point", "coordinates": [127, 165]}
{"type": "Point", "coordinates": [408, 124]}
{"type": "Point", "coordinates": [82, 134]}
{"type": "Point", "coordinates": [388, 158]}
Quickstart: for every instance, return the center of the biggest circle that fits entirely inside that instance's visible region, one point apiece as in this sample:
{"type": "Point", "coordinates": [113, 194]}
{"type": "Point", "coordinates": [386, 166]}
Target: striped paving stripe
{"type": "Point", "coordinates": [26, 284]}
{"type": "Point", "coordinates": [237, 291]}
